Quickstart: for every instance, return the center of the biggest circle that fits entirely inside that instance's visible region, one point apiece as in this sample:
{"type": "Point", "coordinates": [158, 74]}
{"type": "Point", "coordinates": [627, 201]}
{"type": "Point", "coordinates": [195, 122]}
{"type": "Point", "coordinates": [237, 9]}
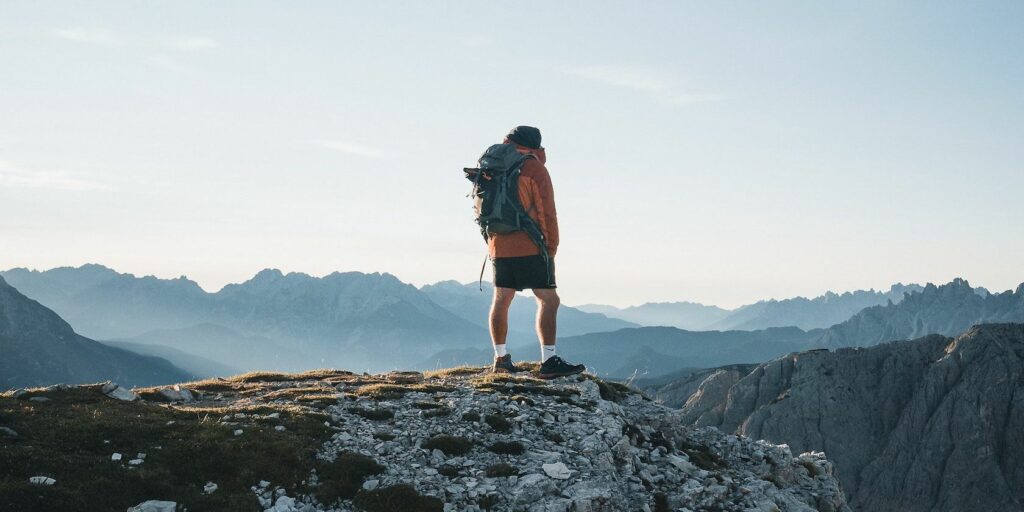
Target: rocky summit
{"type": "Point", "coordinates": [934, 424]}
{"type": "Point", "coordinates": [458, 439]}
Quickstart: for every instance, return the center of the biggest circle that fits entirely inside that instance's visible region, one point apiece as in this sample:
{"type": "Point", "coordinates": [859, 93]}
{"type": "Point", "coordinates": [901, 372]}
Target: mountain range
{"type": "Point", "coordinates": [282, 321]}
{"type": "Point", "coordinates": [947, 309]}
{"type": "Point", "coordinates": [39, 348]}
{"type": "Point", "coordinates": [819, 312]}
{"type": "Point", "coordinates": [933, 424]}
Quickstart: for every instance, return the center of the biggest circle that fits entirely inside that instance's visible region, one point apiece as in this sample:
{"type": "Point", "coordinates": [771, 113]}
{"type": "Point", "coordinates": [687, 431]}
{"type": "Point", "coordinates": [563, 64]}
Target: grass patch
{"type": "Point", "coordinates": [397, 497]}
{"type": "Point", "coordinates": [521, 399]}
{"type": "Point", "coordinates": [487, 502]}
{"type": "Point", "coordinates": [702, 457]}
{"type": "Point", "coordinates": [457, 371]}
{"type": "Point", "coordinates": [450, 445]}
{"type": "Point", "coordinates": [500, 470]}
{"type": "Point", "coordinates": [498, 423]}
{"type": "Point", "coordinates": [507, 448]}
{"type": "Point", "coordinates": [65, 440]}
{"type": "Point", "coordinates": [344, 477]}
{"type": "Point", "coordinates": [554, 437]}
{"type": "Point", "coordinates": [437, 413]}
{"type": "Point", "coordinates": [427, 405]}
{"type": "Point", "coordinates": [381, 391]}
{"type": "Point", "coordinates": [373, 414]}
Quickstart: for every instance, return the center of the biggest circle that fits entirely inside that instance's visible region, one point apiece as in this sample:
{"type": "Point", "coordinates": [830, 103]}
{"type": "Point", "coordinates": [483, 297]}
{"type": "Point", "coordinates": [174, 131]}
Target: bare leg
{"type": "Point", "coordinates": [499, 314]}
{"type": "Point", "coordinates": [547, 313]}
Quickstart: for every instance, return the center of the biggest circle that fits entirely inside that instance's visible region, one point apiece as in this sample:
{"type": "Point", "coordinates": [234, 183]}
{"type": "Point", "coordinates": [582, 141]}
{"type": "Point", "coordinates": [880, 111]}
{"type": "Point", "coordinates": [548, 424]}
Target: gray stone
{"type": "Point", "coordinates": [154, 506]}
{"type": "Point", "coordinates": [557, 471]}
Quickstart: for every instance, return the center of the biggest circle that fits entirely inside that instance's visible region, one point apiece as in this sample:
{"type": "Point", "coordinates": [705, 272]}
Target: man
{"type": "Point", "coordinates": [520, 264]}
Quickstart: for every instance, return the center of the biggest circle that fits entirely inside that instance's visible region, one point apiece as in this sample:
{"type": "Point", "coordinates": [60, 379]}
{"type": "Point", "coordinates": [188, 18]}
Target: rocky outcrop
{"type": "Point", "coordinates": [933, 424]}
{"type": "Point", "coordinates": [38, 348]}
{"type": "Point", "coordinates": [455, 440]}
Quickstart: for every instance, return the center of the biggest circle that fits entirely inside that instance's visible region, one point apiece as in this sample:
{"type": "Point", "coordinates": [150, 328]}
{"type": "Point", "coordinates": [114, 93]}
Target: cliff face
{"type": "Point", "coordinates": [458, 439]}
{"type": "Point", "coordinates": [933, 424]}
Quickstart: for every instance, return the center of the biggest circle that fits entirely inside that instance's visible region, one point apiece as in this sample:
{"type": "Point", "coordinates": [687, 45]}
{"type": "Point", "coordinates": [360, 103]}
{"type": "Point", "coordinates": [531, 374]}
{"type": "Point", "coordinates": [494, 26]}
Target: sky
{"type": "Point", "coordinates": [717, 152]}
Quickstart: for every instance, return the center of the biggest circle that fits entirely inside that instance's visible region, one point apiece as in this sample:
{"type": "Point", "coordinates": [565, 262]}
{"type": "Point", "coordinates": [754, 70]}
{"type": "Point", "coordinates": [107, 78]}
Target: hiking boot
{"type": "Point", "coordinates": [504, 364]}
{"type": "Point", "coordinates": [556, 367]}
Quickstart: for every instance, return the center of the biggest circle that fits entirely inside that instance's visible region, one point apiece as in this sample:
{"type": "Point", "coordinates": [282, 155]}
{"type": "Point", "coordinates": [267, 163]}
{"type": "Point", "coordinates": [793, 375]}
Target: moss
{"type": "Point", "coordinates": [487, 502]}
{"type": "Point", "coordinates": [65, 439]}
{"type": "Point", "coordinates": [450, 445]}
{"type": "Point", "coordinates": [500, 470]}
{"type": "Point", "coordinates": [498, 423]}
{"type": "Point", "coordinates": [661, 502]}
{"type": "Point", "coordinates": [702, 457]}
{"type": "Point", "coordinates": [342, 478]}
{"type": "Point", "coordinates": [373, 414]}
{"type": "Point", "coordinates": [471, 416]}
{"type": "Point", "coordinates": [507, 447]}
{"type": "Point", "coordinates": [397, 497]}
{"type": "Point", "coordinates": [554, 437]}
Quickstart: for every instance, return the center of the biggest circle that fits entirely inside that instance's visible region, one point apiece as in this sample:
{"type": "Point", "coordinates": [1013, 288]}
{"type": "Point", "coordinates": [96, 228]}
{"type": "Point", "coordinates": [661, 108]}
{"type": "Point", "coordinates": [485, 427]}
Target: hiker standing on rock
{"type": "Point", "coordinates": [516, 212]}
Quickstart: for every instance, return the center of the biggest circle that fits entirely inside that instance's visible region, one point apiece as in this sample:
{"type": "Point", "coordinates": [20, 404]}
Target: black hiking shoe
{"type": "Point", "coordinates": [504, 364]}
{"type": "Point", "coordinates": [556, 367]}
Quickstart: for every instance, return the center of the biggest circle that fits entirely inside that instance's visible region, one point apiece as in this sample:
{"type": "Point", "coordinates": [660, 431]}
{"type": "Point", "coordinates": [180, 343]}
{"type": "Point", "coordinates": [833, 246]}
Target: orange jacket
{"type": "Point", "coordinates": [538, 199]}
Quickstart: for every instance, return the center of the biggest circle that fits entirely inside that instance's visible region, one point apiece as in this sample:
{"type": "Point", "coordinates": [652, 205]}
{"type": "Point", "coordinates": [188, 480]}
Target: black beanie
{"type": "Point", "coordinates": [525, 136]}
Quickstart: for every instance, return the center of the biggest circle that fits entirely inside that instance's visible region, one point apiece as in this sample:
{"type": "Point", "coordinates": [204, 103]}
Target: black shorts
{"type": "Point", "coordinates": [524, 272]}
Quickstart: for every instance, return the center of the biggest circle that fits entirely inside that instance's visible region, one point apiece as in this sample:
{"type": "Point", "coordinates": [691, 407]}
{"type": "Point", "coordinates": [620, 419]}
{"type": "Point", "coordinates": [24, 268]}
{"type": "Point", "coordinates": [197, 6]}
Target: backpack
{"type": "Point", "coordinates": [496, 195]}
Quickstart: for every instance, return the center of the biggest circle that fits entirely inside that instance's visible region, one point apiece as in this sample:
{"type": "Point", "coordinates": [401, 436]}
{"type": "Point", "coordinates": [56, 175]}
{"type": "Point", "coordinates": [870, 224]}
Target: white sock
{"type": "Point", "coordinates": [546, 352]}
{"type": "Point", "coordinates": [499, 350]}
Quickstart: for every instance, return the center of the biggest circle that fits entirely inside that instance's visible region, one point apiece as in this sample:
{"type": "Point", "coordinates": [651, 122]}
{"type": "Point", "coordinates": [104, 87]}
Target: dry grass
{"type": "Point", "coordinates": [392, 391]}
{"type": "Point", "coordinates": [458, 371]}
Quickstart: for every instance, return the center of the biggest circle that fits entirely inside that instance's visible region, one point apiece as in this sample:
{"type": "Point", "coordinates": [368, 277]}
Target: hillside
{"type": "Point", "coordinates": [37, 348]}
{"type": "Point", "coordinates": [332, 440]}
{"type": "Point", "coordinates": [933, 424]}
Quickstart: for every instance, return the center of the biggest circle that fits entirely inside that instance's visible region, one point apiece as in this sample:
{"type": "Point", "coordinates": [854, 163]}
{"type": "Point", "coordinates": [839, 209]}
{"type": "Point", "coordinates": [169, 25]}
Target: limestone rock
{"type": "Point", "coordinates": [933, 424]}
{"type": "Point", "coordinates": [154, 506]}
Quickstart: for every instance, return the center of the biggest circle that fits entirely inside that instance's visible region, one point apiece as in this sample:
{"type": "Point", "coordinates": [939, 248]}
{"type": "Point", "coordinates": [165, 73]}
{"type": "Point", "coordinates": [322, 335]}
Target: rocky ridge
{"type": "Point", "coordinates": [457, 439]}
{"type": "Point", "coordinates": [932, 424]}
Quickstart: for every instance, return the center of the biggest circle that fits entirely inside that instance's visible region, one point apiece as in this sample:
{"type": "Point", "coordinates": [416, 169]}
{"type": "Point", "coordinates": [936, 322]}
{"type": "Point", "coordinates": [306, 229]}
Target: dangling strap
{"type": "Point", "coordinates": [482, 267]}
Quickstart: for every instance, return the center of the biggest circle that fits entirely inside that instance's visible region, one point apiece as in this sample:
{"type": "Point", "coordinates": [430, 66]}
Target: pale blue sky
{"type": "Point", "coordinates": [718, 152]}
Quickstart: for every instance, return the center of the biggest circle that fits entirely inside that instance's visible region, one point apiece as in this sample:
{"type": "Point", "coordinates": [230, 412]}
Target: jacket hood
{"type": "Point", "coordinates": [538, 153]}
